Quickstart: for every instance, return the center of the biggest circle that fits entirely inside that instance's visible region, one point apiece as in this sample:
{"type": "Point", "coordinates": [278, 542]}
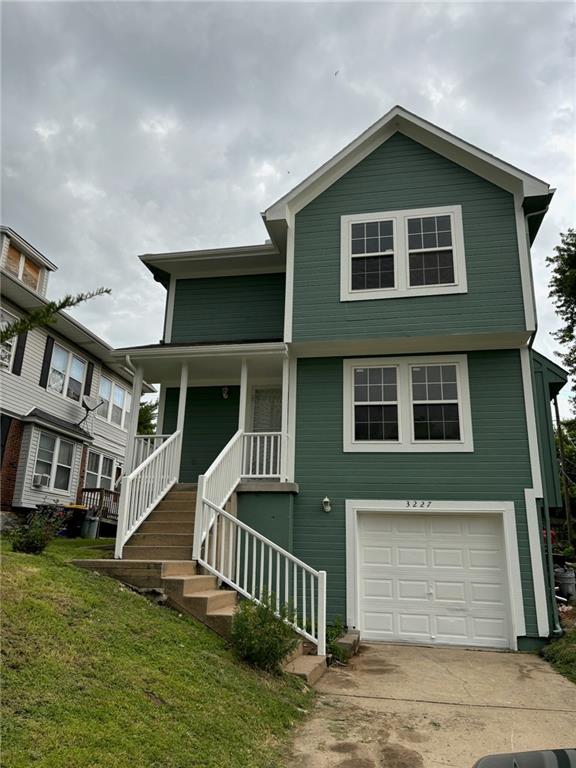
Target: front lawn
{"type": "Point", "coordinates": [96, 676]}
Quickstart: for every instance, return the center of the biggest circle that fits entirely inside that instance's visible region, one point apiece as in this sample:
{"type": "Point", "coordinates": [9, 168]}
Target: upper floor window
{"type": "Point", "coordinates": [7, 347]}
{"type": "Point", "coordinates": [402, 253]}
{"type": "Point", "coordinates": [116, 402]}
{"type": "Point", "coordinates": [419, 404]}
{"type": "Point", "coordinates": [67, 373]}
{"type": "Point", "coordinates": [23, 268]}
{"type": "Point", "coordinates": [54, 460]}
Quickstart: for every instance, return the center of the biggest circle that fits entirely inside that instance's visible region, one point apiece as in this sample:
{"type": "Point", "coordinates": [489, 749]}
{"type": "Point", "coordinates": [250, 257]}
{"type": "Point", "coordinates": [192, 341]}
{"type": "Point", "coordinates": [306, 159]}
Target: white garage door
{"type": "Point", "coordinates": [433, 579]}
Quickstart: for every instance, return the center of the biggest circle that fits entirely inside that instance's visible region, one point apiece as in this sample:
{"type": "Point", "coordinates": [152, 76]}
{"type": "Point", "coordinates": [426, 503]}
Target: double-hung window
{"type": "Point", "coordinates": [54, 462]}
{"type": "Point", "coordinates": [67, 373]}
{"type": "Point", "coordinates": [419, 404]}
{"type": "Point", "coordinates": [7, 347]}
{"type": "Point", "coordinates": [402, 253]}
{"type": "Point", "coordinates": [23, 268]}
{"type": "Point", "coordinates": [99, 471]}
{"type": "Point", "coordinates": [116, 402]}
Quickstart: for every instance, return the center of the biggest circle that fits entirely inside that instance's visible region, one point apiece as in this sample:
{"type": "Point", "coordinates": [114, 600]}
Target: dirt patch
{"type": "Point", "coordinates": [354, 762]}
{"type": "Point", "coordinates": [344, 747]}
{"type": "Point", "coordinates": [397, 756]}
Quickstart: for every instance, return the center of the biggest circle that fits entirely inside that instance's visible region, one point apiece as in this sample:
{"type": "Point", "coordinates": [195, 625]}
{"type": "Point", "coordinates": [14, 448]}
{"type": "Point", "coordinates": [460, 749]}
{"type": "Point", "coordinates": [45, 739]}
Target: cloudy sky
{"type": "Point", "coordinates": [136, 127]}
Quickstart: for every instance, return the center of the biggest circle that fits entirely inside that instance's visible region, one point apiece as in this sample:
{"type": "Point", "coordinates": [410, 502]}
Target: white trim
{"type": "Point", "coordinates": [531, 495]}
{"type": "Point", "coordinates": [289, 289]}
{"type": "Point", "coordinates": [528, 296]}
{"type": "Point", "coordinates": [160, 411]}
{"type": "Point", "coordinates": [406, 442]}
{"type": "Point", "coordinates": [137, 383]}
{"type": "Point", "coordinates": [399, 119]}
{"type": "Point", "coordinates": [170, 309]}
{"type": "Point", "coordinates": [291, 437]}
{"type": "Point", "coordinates": [402, 286]}
{"type": "Point", "coordinates": [71, 355]}
{"type": "Point", "coordinates": [213, 350]}
{"type": "Point", "coordinates": [55, 463]}
{"type": "Point", "coordinates": [243, 402]}
{"type": "Point", "coordinates": [101, 456]}
{"type": "Point", "coordinates": [127, 395]}
{"type": "Point", "coordinates": [12, 342]}
{"type": "Point", "coordinates": [285, 419]}
{"type": "Point", "coordinates": [517, 623]}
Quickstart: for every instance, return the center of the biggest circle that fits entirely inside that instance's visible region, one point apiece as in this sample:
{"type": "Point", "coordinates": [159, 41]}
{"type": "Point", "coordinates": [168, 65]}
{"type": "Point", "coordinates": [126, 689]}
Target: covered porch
{"type": "Point", "coordinates": [209, 393]}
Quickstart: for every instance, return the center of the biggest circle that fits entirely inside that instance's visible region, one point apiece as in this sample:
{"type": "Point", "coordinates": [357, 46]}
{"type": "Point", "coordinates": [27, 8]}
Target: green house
{"type": "Point", "coordinates": [357, 401]}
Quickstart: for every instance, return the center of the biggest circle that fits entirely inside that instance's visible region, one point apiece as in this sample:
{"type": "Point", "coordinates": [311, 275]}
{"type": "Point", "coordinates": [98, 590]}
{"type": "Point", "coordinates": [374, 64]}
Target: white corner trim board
{"type": "Point", "coordinates": [526, 277]}
{"type": "Point", "coordinates": [530, 495]}
{"type": "Point", "coordinates": [170, 309]}
{"type": "Point", "coordinates": [504, 509]}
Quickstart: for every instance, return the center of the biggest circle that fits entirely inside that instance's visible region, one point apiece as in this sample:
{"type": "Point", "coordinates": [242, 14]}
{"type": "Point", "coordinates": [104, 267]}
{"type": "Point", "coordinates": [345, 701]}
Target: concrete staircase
{"type": "Point", "coordinates": [159, 557]}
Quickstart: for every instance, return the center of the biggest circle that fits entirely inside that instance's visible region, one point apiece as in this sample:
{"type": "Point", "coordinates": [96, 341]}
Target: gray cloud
{"type": "Point", "coordinates": [135, 127]}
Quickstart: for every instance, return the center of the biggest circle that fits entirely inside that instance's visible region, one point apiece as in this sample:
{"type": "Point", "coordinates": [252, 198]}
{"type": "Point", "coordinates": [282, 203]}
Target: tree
{"type": "Point", "coordinates": [46, 314]}
{"type": "Point", "coordinates": [147, 417]}
{"type": "Point", "coordinates": [563, 291]}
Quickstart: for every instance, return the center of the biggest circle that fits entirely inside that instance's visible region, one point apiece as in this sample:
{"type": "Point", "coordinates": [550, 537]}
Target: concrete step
{"type": "Point", "coordinates": [184, 487]}
{"type": "Point", "coordinates": [157, 553]}
{"type": "Point", "coordinates": [180, 568]}
{"type": "Point", "coordinates": [298, 651]}
{"type": "Point", "coordinates": [167, 526]}
{"type": "Point", "coordinates": [161, 540]}
{"type": "Point", "coordinates": [310, 668]}
{"type": "Point", "coordinates": [211, 600]}
{"type": "Point", "coordinates": [192, 584]}
{"type": "Point", "coordinates": [177, 506]}
{"type": "Point", "coordinates": [221, 619]}
{"type": "Point", "coordinates": [181, 495]}
{"type": "Point", "coordinates": [171, 516]}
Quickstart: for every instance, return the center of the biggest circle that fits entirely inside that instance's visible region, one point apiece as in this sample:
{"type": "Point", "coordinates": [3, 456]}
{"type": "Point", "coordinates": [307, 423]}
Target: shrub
{"type": "Point", "coordinates": [38, 529]}
{"type": "Point", "coordinates": [259, 636]}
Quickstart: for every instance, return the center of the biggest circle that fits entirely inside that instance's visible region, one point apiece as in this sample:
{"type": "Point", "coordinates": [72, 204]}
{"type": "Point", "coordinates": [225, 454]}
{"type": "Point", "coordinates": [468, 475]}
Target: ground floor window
{"type": "Point", "coordinates": [99, 471]}
{"type": "Point", "coordinates": [53, 468]}
{"type": "Point", "coordinates": [419, 404]}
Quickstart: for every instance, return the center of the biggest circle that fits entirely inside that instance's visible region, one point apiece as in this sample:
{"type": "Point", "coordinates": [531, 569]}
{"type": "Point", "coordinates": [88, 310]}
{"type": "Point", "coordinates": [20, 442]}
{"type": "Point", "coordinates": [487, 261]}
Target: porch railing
{"type": "Point", "coordinates": [144, 446]}
{"type": "Point", "coordinates": [262, 454]}
{"type": "Point", "coordinates": [145, 486]}
{"type": "Point", "coordinates": [101, 501]}
{"type": "Point", "coordinates": [243, 558]}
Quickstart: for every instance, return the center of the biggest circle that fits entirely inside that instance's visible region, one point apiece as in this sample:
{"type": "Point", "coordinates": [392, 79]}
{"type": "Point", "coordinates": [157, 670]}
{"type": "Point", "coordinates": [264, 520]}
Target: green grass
{"type": "Point", "coordinates": [96, 676]}
{"type": "Point", "coordinates": [561, 654]}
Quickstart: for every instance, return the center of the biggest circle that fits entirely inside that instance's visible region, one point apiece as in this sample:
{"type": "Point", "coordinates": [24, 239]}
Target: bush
{"type": "Point", "coordinates": [259, 636]}
{"type": "Point", "coordinates": [39, 528]}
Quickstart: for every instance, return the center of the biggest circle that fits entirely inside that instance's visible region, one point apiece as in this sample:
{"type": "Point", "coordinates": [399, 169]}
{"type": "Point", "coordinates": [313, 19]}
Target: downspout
{"type": "Point", "coordinates": [557, 631]}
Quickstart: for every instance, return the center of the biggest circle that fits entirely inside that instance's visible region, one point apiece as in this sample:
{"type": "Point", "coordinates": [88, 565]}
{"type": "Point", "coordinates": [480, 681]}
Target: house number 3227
{"type": "Point", "coordinates": [419, 504]}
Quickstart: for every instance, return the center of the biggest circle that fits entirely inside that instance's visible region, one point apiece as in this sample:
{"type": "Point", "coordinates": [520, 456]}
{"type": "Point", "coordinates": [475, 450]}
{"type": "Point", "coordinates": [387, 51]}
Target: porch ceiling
{"type": "Point", "coordinates": [213, 365]}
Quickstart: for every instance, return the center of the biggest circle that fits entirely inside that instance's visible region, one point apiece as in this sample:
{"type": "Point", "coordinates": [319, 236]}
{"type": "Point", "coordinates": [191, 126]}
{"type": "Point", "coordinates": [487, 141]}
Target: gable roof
{"type": "Point", "coordinates": [27, 248]}
{"type": "Point", "coordinates": [435, 138]}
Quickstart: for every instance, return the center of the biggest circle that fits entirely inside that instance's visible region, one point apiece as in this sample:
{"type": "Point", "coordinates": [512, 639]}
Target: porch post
{"type": "Point", "coordinates": [133, 422]}
{"type": "Point", "coordinates": [243, 395]}
{"type": "Point", "coordinates": [180, 420]}
{"type": "Point", "coordinates": [285, 437]}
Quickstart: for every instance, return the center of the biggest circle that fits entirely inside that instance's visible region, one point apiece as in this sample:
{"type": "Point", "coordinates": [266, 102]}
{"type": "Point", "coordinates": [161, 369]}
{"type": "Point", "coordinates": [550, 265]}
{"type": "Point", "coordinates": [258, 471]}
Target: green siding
{"type": "Point", "coordinates": [497, 470]}
{"type": "Point", "coordinates": [270, 514]}
{"type": "Point", "coordinates": [241, 308]}
{"type": "Point", "coordinates": [210, 423]}
{"type": "Point", "coordinates": [402, 174]}
{"type": "Point", "coordinates": [543, 377]}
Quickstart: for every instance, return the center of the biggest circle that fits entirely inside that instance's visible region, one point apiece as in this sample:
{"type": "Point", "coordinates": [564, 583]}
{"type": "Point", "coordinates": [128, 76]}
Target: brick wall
{"type": "Point", "coordinates": [10, 464]}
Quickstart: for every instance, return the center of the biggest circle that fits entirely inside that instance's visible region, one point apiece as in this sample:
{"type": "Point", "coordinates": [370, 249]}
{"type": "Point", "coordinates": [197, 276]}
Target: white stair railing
{"type": "Point", "coordinates": [144, 445]}
{"type": "Point", "coordinates": [262, 454]}
{"type": "Point", "coordinates": [145, 486]}
{"type": "Point", "coordinates": [240, 556]}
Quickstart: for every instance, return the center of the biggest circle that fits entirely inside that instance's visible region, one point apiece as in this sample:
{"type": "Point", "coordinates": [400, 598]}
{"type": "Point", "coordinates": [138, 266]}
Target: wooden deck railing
{"type": "Point", "coordinates": [102, 502]}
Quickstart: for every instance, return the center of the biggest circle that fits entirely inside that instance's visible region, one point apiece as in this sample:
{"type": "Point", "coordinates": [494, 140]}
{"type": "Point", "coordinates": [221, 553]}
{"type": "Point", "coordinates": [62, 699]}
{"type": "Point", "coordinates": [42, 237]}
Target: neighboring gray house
{"type": "Point", "coordinates": [51, 447]}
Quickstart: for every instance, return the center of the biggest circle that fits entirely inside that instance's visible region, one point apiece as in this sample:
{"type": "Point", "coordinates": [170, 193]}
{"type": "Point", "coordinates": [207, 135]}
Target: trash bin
{"type": "Point", "coordinates": [76, 514]}
{"type": "Point", "coordinates": [90, 527]}
{"type": "Point", "coordinates": [566, 583]}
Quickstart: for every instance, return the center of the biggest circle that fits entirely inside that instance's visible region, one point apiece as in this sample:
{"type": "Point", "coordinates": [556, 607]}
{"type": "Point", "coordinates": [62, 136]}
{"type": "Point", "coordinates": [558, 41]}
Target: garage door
{"type": "Point", "coordinates": [433, 579]}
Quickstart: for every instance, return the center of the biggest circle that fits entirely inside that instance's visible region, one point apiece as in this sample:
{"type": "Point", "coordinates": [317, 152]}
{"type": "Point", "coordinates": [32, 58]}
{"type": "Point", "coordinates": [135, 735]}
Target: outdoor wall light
{"type": "Point", "coordinates": [225, 393]}
{"type": "Point", "coordinates": [326, 504]}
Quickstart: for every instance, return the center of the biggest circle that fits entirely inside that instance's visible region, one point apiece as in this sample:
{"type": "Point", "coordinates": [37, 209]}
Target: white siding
{"type": "Point", "coordinates": [27, 496]}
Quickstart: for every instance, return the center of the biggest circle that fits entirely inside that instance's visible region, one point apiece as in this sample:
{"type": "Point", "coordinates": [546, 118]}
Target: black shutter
{"type": "Point", "coordinates": [19, 354]}
{"type": "Point", "coordinates": [46, 362]}
{"type": "Point", "coordinates": [88, 382]}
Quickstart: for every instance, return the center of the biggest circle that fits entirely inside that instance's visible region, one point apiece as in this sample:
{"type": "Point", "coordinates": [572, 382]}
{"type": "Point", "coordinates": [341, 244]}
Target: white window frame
{"type": "Point", "coordinates": [406, 442]}
{"type": "Point", "coordinates": [55, 462]}
{"type": "Point", "coordinates": [11, 343]}
{"type": "Point", "coordinates": [402, 286]}
{"type": "Point", "coordinates": [20, 275]}
{"type": "Point", "coordinates": [71, 355]}
{"type": "Point", "coordinates": [101, 457]}
{"type": "Point", "coordinates": [127, 401]}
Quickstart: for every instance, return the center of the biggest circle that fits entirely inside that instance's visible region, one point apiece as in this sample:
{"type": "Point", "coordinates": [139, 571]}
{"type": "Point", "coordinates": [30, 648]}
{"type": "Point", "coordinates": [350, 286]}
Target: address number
{"type": "Point", "coordinates": [419, 504]}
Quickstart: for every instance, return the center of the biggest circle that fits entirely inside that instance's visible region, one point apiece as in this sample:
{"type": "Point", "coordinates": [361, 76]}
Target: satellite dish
{"type": "Point", "coordinates": [91, 403]}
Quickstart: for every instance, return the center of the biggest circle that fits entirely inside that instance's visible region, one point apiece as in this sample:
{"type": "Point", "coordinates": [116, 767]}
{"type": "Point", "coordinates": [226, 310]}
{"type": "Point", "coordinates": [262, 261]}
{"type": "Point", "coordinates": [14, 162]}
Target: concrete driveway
{"type": "Point", "coordinates": [415, 707]}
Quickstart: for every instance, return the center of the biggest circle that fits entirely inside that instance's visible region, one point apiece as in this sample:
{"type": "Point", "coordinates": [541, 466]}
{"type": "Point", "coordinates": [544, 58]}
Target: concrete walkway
{"type": "Point", "coordinates": [415, 707]}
